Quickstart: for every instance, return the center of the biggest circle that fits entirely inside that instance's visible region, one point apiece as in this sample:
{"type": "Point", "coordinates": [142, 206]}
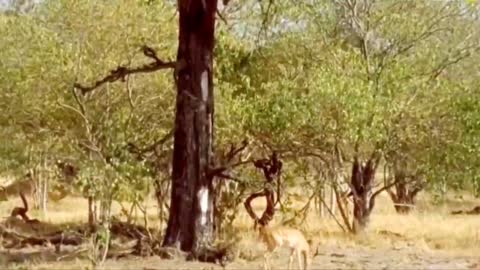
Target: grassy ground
{"type": "Point", "coordinates": [429, 238]}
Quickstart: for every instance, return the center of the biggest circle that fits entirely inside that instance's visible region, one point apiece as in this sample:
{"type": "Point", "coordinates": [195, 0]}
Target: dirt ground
{"type": "Point", "coordinates": [429, 238]}
{"type": "Point", "coordinates": [330, 257]}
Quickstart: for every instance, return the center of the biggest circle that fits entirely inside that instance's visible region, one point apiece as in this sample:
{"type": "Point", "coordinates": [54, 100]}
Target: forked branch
{"type": "Point", "coordinates": [272, 169]}
{"type": "Point", "coordinates": [121, 72]}
{"type": "Point", "coordinates": [267, 215]}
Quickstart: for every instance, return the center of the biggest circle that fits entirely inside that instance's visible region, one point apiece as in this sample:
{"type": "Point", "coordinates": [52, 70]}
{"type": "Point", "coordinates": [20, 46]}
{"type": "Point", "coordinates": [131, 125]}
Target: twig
{"type": "Point", "coordinates": [234, 151]}
{"type": "Point", "coordinates": [79, 103]}
{"type": "Point", "coordinates": [266, 16]}
{"type": "Point", "coordinates": [221, 17]}
{"type": "Point", "coordinates": [80, 250]}
{"type": "Point", "coordinates": [74, 110]}
{"type": "Point", "coordinates": [305, 208]}
{"type": "Point", "coordinates": [129, 91]}
{"type": "Point", "coordinates": [449, 61]}
{"type": "Point", "coordinates": [332, 214]}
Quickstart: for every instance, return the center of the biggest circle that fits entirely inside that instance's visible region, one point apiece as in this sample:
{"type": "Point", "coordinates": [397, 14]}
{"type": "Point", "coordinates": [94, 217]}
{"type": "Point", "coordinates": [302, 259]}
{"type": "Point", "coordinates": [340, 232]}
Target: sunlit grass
{"type": "Point", "coordinates": [429, 227]}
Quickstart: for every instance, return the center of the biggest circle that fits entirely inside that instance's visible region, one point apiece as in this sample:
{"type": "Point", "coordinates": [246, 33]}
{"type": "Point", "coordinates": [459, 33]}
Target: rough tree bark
{"type": "Point", "coordinates": [363, 178]}
{"type": "Point", "coordinates": [190, 223]}
{"type": "Point", "coordinates": [406, 187]}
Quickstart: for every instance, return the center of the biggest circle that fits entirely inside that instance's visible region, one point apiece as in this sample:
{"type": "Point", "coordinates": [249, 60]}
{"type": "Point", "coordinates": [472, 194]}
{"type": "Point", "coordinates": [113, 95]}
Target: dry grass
{"type": "Point", "coordinates": [429, 229]}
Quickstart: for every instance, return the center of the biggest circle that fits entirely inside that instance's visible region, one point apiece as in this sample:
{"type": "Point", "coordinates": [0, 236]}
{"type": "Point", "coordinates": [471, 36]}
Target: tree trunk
{"type": "Point", "coordinates": [162, 187]}
{"type": "Point", "coordinates": [43, 175]}
{"type": "Point", "coordinates": [92, 213]}
{"type": "Point", "coordinates": [360, 213]}
{"type": "Point", "coordinates": [333, 200]}
{"type": "Point", "coordinates": [190, 223]}
{"type": "Point", "coordinates": [362, 182]}
{"type": "Point", "coordinates": [44, 197]}
{"type": "Point", "coordinates": [402, 199]}
{"type": "Point", "coordinates": [321, 209]}
{"type": "Point", "coordinates": [35, 176]}
{"type": "Point", "coordinates": [406, 186]}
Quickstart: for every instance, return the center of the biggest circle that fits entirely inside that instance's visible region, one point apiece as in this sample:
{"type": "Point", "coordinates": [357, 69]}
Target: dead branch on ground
{"type": "Point", "coordinates": [22, 211]}
{"type": "Point", "coordinates": [474, 211]}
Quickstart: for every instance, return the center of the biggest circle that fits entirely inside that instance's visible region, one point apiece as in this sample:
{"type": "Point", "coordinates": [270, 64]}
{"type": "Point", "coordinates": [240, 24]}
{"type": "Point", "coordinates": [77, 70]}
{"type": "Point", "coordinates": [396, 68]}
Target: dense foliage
{"type": "Point", "coordinates": [290, 76]}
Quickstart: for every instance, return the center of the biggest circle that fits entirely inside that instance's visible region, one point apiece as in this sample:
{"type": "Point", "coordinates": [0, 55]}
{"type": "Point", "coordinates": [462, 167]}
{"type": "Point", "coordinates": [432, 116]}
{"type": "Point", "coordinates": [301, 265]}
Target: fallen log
{"type": "Point", "coordinates": [21, 241]}
{"type": "Point", "coordinates": [474, 211]}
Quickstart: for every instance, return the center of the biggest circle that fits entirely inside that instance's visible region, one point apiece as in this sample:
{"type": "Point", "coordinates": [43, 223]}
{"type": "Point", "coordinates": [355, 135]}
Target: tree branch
{"type": "Point", "coordinates": [340, 205]}
{"type": "Point", "coordinates": [219, 14]}
{"type": "Point", "coordinates": [132, 148]}
{"type": "Point", "coordinates": [333, 215]}
{"type": "Point", "coordinates": [121, 71]}
{"type": "Point", "coordinates": [248, 201]}
{"type": "Point", "coordinates": [265, 20]}
{"type": "Point", "coordinates": [229, 177]}
{"type": "Point", "coordinates": [452, 60]}
{"type": "Point", "coordinates": [217, 171]}
{"type": "Point", "coordinates": [234, 151]}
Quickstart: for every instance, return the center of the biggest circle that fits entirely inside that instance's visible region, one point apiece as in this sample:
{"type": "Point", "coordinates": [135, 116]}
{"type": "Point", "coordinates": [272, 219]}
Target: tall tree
{"type": "Point", "coordinates": [190, 224]}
